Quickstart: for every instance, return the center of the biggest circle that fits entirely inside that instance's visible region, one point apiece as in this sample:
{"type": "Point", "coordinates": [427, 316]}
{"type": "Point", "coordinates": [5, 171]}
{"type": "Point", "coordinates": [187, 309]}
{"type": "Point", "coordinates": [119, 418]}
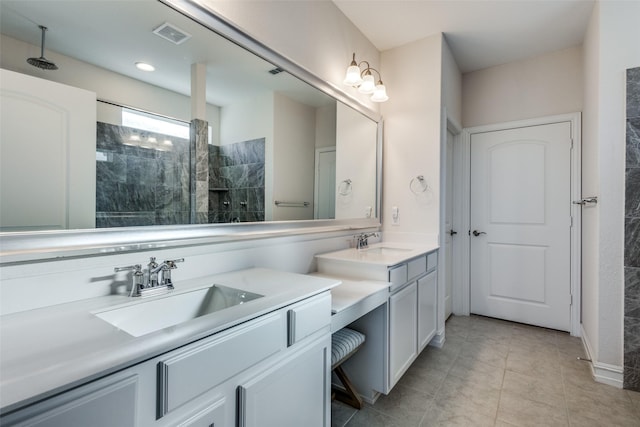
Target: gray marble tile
{"type": "Point", "coordinates": [632, 242]}
{"type": "Point", "coordinates": [631, 379]}
{"type": "Point", "coordinates": [632, 192]}
{"type": "Point", "coordinates": [632, 292]}
{"type": "Point", "coordinates": [631, 342]}
{"type": "Point", "coordinates": [255, 175]}
{"type": "Point", "coordinates": [114, 169]}
{"type": "Point", "coordinates": [633, 143]}
{"type": "Point", "coordinates": [239, 199]}
{"type": "Point", "coordinates": [633, 92]}
{"type": "Point", "coordinates": [255, 199]}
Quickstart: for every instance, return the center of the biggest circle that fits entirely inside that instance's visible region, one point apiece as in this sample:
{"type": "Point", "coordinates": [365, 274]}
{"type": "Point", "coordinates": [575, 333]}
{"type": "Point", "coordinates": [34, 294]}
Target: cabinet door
{"type": "Point", "coordinates": [192, 370]}
{"type": "Point", "coordinates": [403, 324]}
{"type": "Point", "coordinates": [293, 393]}
{"type": "Point", "coordinates": [427, 300]}
{"type": "Point", "coordinates": [211, 416]}
{"type": "Point", "coordinates": [104, 403]}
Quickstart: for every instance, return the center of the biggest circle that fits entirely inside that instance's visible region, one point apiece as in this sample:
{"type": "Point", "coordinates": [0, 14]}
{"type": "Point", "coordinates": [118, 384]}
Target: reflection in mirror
{"type": "Point", "coordinates": [216, 134]}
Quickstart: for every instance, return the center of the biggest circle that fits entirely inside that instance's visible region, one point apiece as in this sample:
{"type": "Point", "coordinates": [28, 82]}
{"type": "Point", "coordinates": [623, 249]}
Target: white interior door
{"type": "Point", "coordinates": [520, 224]}
{"type": "Point", "coordinates": [48, 162]}
{"type": "Point", "coordinates": [325, 183]}
{"type": "Point", "coordinates": [448, 227]}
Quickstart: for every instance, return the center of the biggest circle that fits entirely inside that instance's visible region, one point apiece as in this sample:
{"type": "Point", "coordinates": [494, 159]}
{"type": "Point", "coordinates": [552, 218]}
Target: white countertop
{"type": "Point", "coordinates": [380, 254]}
{"type": "Point", "coordinates": [354, 298]}
{"type": "Point", "coordinates": [49, 350]}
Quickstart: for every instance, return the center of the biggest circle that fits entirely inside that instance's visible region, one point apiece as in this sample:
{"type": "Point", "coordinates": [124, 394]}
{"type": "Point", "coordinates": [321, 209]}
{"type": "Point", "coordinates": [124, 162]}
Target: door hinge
{"type": "Point", "coordinates": [570, 300]}
{"type": "Point", "coordinates": [570, 221]}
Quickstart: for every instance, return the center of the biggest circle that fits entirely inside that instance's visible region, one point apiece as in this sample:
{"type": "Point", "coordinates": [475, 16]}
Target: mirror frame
{"type": "Point", "coordinates": [23, 247]}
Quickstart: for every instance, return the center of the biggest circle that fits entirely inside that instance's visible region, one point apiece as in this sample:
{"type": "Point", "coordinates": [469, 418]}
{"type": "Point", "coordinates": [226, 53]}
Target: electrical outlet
{"type": "Point", "coordinates": [395, 216]}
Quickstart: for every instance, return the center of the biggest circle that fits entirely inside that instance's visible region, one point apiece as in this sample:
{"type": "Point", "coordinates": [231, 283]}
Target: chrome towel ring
{"type": "Point", "coordinates": [418, 185]}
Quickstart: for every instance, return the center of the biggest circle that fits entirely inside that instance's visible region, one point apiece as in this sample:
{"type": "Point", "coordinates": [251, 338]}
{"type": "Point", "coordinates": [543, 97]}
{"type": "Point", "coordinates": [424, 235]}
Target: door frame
{"type": "Point", "coordinates": [448, 124]}
{"type": "Point", "coordinates": [462, 288]}
{"type": "Point", "coordinates": [316, 186]}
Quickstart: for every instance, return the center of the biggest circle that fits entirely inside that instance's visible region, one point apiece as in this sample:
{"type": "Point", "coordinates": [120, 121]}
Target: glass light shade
{"type": "Point", "coordinates": [353, 76]}
{"type": "Point", "coordinates": [380, 93]}
{"type": "Point", "coordinates": [144, 66]}
{"type": "Point", "coordinates": [368, 85]}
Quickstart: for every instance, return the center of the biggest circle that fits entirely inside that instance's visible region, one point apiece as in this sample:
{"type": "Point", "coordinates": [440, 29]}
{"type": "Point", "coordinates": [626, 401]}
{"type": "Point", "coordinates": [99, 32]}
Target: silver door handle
{"type": "Point", "coordinates": [586, 200]}
{"type": "Point", "coordinates": [477, 233]}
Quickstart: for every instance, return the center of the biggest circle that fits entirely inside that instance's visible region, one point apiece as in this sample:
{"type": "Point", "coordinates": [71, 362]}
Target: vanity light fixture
{"type": "Point", "coordinates": [363, 79]}
{"type": "Point", "coordinates": [144, 66]}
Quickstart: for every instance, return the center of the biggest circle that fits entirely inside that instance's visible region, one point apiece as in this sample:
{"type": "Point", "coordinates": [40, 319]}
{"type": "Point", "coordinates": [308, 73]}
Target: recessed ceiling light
{"type": "Point", "coordinates": [145, 67]}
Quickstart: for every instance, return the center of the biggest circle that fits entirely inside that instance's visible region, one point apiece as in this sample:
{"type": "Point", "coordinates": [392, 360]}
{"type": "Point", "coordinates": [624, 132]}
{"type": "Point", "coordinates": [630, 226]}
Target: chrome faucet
{"type": "Point", "coordinates": [155, 280]}
{"type": "Point", "coordinates": [362, 240]}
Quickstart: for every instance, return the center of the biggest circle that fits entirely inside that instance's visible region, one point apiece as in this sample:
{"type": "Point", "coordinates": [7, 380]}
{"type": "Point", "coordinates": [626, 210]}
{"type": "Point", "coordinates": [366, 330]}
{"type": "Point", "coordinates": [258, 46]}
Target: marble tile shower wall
{"type": "Point", "coordinates": [632, 236]}
{"type": "Point", "coordinates": [236, 182]}
{"type": "Point", "coordinates": [140, 186]}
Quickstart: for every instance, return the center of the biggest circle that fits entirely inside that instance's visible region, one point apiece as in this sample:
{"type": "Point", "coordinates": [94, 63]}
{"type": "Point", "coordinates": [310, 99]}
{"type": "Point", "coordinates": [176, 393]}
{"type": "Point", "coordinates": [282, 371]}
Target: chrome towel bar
{"type": "Point", "coordinates": [291, 204]}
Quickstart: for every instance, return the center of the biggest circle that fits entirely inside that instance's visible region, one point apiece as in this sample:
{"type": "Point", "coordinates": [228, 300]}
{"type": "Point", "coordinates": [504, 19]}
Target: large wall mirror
{"type": "Point", "coordinates": [271, 142]}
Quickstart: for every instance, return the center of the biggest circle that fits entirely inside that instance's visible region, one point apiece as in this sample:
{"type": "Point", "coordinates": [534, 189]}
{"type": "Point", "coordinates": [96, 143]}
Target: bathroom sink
{"type": "Point", "coordinates": [383, 250]}
{"type": "Point", "coordinates": [149, 316]}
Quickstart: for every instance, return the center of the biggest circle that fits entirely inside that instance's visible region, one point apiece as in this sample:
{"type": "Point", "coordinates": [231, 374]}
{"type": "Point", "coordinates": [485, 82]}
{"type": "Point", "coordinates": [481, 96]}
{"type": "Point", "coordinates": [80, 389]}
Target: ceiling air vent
{"type": "Point", "coordinates": [276, 70]}
{"type": "Point", "coordinates": [172, 33]}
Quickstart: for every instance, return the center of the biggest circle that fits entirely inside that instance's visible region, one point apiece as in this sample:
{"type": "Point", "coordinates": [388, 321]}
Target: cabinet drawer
{"type": "Point", "coordinates": [398, 275]}
{"type": "Point", "coordinates": [104, 403]}
{"type": "Point", "coordinates": [416, 267]}
{"type": "Point", "coordinates": [307, 317]}
{"type": "Point", "coordinates": [189, 372]}
{"type": "Point", "coordinates": [432, 260]}
{"type": "Point", "coordinates": [212, 415]}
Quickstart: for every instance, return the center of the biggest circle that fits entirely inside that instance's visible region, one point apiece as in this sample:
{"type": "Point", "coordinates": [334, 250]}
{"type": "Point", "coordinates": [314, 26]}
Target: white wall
{"type": "Point", "coordinates": [326, 126]}
{"type": "Point", "coordinates": [355, 161]}
{"type": "Point", "coordinates": [247, 120]}
{"type": "Point", "coordinates": [541, 86]}
{"type": "Point", "coordinates": [451, 85]}
{"type": "Point", "coordinates": [107, 85]}
{"type": "Point", "coordinates": [591, 182]}
{"type": "Point", "coordinates": [294, 133]}
{"type": "Point", "coordinates": [313, 34]}
{"type": "Point", "coordinates": [412, 137]}
{"type": "Point", "coordinates": [611, 47]}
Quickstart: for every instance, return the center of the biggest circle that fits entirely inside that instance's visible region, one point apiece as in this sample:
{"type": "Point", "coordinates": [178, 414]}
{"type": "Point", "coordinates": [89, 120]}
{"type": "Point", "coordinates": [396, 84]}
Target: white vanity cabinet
{"type": "Point", "coordinates": [241, 376]}
{"type": "Point", "coordinates": [403, 329]}
{"type": "Point", "coordinates": [427, 308]}
{"type": "Point", "coordinates": [410, 316]}
{"type": "Point", "coordinates": [412, 312]}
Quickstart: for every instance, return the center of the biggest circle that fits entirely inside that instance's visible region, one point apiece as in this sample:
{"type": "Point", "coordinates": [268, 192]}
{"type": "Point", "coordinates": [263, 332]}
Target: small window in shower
{"type": "Point", "coordinates": [154, 123]}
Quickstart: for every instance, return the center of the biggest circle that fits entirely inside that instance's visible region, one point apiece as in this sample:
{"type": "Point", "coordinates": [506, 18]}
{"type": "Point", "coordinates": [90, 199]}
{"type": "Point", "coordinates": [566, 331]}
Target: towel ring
{"type": "Point", "coordinates": [418, 185]}
{"type": "Point", "coordinates": [344, 188]}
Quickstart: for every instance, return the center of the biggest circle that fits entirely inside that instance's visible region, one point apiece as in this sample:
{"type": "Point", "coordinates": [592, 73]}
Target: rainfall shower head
{"type": "Point", "coordinates": [42, 62]}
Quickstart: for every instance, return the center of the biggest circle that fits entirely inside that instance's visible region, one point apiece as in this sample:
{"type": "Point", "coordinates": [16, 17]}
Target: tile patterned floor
{"type": "Point", "coordinates": [496, 373]}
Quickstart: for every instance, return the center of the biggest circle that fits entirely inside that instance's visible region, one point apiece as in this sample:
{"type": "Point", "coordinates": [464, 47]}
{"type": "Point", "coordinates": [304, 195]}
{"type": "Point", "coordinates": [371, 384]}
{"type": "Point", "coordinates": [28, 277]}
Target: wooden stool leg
{"type": "Point", "coordinates": [350, 397]}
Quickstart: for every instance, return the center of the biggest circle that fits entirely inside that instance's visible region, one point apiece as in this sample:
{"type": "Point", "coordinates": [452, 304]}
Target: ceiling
{"type": "Point", "coordinates": [115, 34]}
{"type": "Point", "coordinates": [480, 33]}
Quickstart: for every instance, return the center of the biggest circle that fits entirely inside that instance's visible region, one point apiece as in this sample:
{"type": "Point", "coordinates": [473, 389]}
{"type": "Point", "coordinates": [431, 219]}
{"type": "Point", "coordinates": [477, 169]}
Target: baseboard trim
{"type": "Point", "coordinates": [438, 339]}
{"type": "Point", "coordinates": [604, 373]}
